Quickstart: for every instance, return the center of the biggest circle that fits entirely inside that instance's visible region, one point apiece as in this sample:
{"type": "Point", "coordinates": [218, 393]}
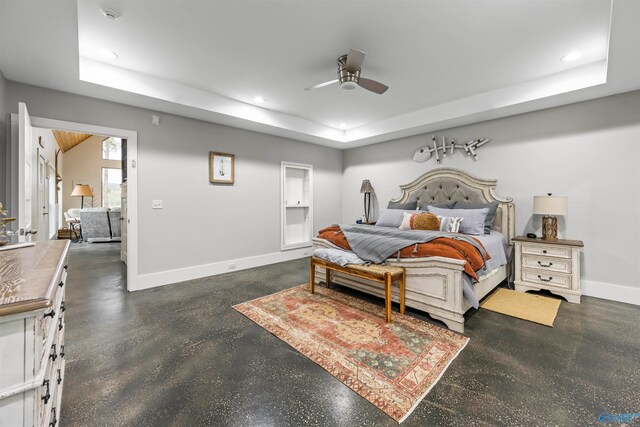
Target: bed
{"type": "Point", "coordinates": [436, 285]}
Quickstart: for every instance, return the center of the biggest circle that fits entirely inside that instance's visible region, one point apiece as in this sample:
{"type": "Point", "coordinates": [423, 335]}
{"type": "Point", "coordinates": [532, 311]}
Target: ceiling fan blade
{"type": "Point", "coordinates": [354, 60]}
{"type": "Point", "coordinates": [319, 85]}
{"type": "Point", "coordinates": [372, 85]}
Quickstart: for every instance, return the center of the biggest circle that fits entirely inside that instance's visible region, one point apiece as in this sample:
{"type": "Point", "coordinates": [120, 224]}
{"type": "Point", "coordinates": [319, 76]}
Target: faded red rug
{"type": "Point", "coordinates": [391, 365]}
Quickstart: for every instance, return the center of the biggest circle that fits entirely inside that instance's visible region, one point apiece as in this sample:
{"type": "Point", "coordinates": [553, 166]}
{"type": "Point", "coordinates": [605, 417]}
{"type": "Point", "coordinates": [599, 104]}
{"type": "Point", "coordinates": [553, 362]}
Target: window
{"type": "Point", "coordinates": [111, 180]}
{"type": "Point", "coordinates": [112, 149]}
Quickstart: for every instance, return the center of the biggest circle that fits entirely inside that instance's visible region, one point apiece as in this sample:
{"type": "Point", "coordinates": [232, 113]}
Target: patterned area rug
{"type": "Point", "coordinates": [391, 365]}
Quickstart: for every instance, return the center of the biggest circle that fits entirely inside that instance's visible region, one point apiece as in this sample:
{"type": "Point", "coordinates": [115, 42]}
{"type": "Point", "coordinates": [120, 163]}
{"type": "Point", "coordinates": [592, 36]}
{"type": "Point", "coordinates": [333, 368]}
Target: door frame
{"type": "Point", "coordinates": [132, 181]}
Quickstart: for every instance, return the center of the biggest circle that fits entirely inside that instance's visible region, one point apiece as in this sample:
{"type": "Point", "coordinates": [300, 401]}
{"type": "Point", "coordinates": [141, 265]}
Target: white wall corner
{"type": "Point", "coordinates": [161, 278]}
{"type": "Point", "coordinates": [611, 292]}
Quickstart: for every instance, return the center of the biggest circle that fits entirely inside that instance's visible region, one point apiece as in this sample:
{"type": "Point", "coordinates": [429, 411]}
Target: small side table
{"type": "Point", "coordinates": [553, 265]}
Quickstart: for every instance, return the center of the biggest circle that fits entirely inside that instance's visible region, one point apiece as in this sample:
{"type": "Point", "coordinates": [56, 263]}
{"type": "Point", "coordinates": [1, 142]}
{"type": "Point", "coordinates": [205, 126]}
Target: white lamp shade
{"type": "Point", "coordinates": [550, 205]}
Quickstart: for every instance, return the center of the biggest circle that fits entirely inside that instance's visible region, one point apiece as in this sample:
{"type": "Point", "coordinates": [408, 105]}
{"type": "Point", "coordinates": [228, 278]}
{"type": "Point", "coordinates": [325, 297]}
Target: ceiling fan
{"type": "Point", "coordinates": [349, 75]}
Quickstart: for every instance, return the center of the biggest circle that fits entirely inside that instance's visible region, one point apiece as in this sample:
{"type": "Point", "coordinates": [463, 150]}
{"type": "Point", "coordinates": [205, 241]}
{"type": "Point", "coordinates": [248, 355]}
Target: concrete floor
{"type": "Point", "coordinates": [179, 355]}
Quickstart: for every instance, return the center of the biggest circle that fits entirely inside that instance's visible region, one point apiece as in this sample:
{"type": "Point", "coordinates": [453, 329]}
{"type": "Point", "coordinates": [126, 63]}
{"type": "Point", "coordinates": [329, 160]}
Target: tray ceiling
{"type": "Point", "coordinates": [447, 63]}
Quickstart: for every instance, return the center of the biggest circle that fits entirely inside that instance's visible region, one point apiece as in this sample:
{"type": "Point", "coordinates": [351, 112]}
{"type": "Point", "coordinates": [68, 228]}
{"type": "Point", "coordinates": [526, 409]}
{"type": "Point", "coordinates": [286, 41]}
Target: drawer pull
{"type": "Point", "coordinates": [61, 284]}
{"type": "Point", "coordinates": [50, 314]}
{"type": "Point", "coordinates": [47, 395]}
{"type": "Point", "coordinates": [59, 380]}
{"type": "Point", "coordinates": [62, 307]}
{"type": "Point", "coordinates": [54, 420]}
{"type": "Point", "coordinates": [62, 351]}
{"type": "Point", "coordinates": [544, 251]}
{"type": "Point", "coordinates": [545, 265]}
{"type": "Point", "coordinates": [545, 280]}
{"type": "Point", "coordinates": [66, 266]}
{"type": "Point", "coordinates": [60, 323]}
{"type": "Point", "coordinates": [53, 355]}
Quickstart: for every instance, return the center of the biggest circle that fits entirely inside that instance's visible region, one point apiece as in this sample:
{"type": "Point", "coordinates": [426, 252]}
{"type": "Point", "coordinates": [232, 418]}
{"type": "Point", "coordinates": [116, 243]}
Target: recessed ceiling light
{"type": "Point", "coordinates": [571, 56]}
{"type": "Point", "coordinates": [343, 125]}
{"type": "Point", "coordinates": [109, 54]}
{"type": "Point", "coordinates": [258, 100]}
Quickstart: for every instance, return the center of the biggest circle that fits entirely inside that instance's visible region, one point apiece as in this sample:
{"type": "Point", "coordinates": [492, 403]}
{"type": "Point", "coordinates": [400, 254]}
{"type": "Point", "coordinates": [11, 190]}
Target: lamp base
{"type": "Point", "coordinates": [550, 228]}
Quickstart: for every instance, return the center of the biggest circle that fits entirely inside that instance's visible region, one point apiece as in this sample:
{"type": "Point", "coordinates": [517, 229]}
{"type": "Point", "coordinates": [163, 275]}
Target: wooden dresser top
{"type": "Point", "coordinates": [29, 276]}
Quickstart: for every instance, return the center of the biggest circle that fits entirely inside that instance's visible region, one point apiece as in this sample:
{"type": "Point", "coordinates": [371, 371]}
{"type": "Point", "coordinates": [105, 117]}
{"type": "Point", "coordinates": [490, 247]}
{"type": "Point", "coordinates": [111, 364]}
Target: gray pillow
{"type": "Point", "coordinates": [472, 219]}
{"type": "Point", "coordinates": [442, 205]}
{"type": "Point", "coordinates": [409, 206]}
{"type": "Point", "coordinates": [391, 217]}
{"type": "Point", "coordinates": [491, 215]}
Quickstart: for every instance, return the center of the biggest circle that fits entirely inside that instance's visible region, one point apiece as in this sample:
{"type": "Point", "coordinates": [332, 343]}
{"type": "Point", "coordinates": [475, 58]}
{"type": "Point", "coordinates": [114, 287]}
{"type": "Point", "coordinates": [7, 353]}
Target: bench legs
{"type": "Point", "coordinates": [387, 295]}
{"type": "Point", "coordinates": [312, 275]}
{"type": "Point", "coordinates": [386, 282]}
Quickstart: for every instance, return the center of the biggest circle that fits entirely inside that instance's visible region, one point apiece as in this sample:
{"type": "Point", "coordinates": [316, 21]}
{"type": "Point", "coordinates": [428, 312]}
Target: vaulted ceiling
{"type": "Point", "coordinates": [446, 62]}
{"type": "Point", "coordinates": [67, 140]}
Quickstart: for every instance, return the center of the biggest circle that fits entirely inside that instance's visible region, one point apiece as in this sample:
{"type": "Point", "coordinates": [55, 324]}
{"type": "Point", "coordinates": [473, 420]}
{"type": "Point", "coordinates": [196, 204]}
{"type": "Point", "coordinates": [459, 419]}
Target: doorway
{"type": "Point", "coordinates": [21, 130]}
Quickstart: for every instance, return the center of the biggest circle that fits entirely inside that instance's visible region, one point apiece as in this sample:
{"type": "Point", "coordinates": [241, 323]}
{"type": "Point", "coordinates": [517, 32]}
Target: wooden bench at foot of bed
{"type": "Point", "coordinates": [384, 274]}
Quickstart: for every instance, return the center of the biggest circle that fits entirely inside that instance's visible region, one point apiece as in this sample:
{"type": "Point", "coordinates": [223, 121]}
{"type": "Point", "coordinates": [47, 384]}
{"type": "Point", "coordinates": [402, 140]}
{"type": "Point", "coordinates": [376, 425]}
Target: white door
{"type": "Point", "coordinates": [27, 180]}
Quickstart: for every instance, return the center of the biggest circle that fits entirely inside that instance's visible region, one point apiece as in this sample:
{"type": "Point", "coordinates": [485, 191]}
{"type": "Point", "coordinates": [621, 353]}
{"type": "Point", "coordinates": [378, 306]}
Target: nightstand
{"type": "Point", "coordinates": [548, 264]}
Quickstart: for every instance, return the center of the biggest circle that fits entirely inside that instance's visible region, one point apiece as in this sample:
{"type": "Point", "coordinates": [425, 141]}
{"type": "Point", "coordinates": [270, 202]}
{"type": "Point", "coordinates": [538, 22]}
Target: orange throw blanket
{"type": "Point", "coordinates": [443, 247]}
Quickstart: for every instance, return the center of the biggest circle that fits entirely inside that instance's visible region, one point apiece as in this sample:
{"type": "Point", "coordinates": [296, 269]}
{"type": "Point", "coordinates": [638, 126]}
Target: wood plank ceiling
{"type": "Point", "coordinates": [68, 140]}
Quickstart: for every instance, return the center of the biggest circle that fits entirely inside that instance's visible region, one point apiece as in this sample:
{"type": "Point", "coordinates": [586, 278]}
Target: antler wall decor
{"type": "Point", "coordinates": [425, 152]}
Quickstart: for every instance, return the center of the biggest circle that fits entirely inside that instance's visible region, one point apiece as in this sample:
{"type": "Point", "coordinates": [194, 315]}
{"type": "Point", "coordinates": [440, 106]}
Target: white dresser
{"type": "Point", "coordinates": [32, 327]}
{"type": "Point", "coordinates": [553, 265]}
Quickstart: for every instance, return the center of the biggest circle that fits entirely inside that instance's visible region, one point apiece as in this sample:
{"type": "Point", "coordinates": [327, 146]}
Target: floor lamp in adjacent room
{"type": "Point", "coordinates": [367, 189]}
{"type": "Point", "coordinates": [82, 191]}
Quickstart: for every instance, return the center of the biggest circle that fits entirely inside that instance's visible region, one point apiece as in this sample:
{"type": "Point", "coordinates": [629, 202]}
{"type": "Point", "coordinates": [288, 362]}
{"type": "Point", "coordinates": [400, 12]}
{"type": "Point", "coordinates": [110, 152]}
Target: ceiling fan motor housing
{"type": "Point", "coordinates": [347, 80]}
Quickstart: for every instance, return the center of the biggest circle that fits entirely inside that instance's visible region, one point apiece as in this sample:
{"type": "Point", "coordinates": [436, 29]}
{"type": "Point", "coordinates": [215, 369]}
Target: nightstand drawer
{"type": "Point", "coordinates": [550, 264]}
{"type": "Point", "coordinates": [546, 250]}
{"type": "Point", "coordinates": [547, 278]}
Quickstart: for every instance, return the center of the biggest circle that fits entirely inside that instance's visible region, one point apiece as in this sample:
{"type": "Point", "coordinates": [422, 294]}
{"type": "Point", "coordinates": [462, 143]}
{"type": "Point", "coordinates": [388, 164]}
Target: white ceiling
{"type": "Point", "coordinates": [446, 62]}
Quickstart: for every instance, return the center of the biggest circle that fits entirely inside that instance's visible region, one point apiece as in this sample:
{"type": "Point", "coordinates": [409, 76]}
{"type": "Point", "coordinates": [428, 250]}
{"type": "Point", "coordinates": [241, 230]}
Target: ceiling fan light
{"type": "Point", "coordinates": [348, 85]}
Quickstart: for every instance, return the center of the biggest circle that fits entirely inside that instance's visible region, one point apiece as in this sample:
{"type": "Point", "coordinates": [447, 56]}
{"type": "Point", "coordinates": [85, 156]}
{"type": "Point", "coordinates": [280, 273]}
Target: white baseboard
{"type": "Point", "coordinates": [611, 292]}
{"type": "Point", "coordinates": [152, 280]}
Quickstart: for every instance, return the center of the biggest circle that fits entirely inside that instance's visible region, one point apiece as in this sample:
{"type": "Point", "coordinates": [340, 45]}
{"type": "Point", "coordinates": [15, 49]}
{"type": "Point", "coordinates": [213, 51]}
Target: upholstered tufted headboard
{"type": "Point", "coordinates": [447, 184]}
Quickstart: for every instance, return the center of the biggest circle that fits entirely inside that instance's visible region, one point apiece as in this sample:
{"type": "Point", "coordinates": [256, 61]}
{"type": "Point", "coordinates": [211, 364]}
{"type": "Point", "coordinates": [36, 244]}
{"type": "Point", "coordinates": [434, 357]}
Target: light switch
{"type": "Point", "coordinates": [156, 204]}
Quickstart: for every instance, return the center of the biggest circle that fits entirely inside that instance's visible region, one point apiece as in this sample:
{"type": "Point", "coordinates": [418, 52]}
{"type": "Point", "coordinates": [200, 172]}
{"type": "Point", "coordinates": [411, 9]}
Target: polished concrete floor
{"type": "Point", "coordinates": [179, 355]}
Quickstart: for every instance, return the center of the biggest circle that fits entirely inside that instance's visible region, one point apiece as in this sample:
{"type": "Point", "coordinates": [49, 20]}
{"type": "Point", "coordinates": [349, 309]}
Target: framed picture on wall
{"type": "Point", "coordinates": [221, 168]}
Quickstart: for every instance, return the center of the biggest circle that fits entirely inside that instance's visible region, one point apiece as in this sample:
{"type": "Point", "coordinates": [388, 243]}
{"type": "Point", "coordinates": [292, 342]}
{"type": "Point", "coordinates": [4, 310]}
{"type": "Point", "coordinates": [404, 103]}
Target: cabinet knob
{"type": "Point", "coordinates": [50, 314]}
{"type": "Point", "coordinates": [544, 251]}
{"type": "Point", "coordinates": [61, 284]}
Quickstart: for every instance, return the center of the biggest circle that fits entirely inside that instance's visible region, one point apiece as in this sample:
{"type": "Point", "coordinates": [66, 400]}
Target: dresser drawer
{"type": "Point", "coordinates": [546, 250]}
{"type": "Point", "coordinates": [547, 278]}
{"type": "Point", "coordinates": [547, 264]}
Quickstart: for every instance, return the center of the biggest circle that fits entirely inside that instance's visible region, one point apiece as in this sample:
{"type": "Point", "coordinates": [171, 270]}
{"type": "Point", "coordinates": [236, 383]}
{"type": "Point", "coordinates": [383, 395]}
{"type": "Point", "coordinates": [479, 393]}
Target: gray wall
{"type": "Point", "coordinates": [589, 152]}
{"type": "Point", "coordinates": [4, 119]}
{"type": "Point", "coordinates": [200, 223]}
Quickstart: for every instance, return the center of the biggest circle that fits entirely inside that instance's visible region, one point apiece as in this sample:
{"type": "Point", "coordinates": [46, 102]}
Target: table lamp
{"type": "Point", "coordinates": [366, 189]}
{"type": "Point", "coordinates": [549, 206]}
{"type": "Point", "coordinates": [82, 190]}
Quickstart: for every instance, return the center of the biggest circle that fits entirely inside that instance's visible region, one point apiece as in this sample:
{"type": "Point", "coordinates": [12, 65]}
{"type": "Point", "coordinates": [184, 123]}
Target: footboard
{"type": "Point", "coordinates": [433, 285]}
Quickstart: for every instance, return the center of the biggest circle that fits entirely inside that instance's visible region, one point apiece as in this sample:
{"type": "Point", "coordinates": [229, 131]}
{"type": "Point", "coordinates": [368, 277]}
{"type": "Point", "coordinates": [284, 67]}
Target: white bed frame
{"type": "Point", "coordinates": [434, 284]}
